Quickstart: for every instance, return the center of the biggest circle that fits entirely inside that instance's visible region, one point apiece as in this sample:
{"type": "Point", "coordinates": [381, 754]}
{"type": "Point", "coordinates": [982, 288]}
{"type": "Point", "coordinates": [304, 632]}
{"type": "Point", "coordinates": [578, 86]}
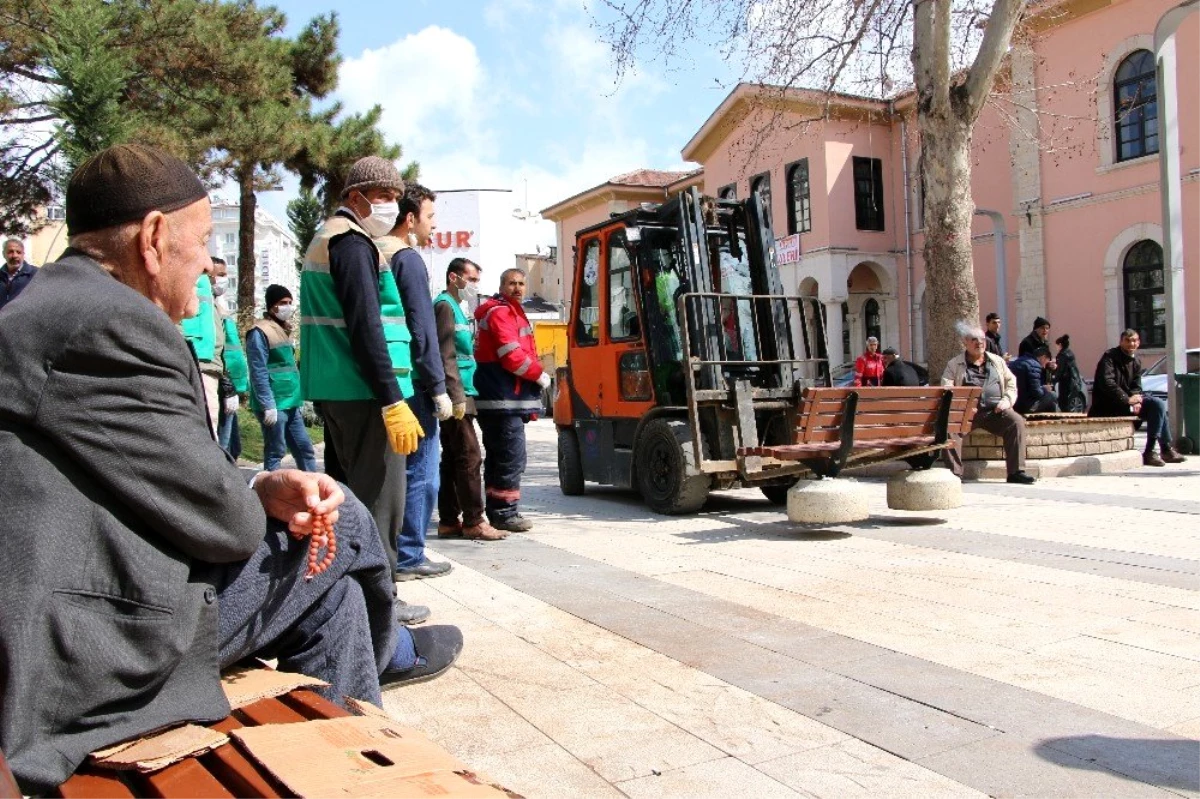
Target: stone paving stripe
{"type": "Point", "coordinates": [1155, 569]}
{"type": "Point", "coordinates": [1189, 507]}
{"type": "Point", "coordinates": [934, 715]}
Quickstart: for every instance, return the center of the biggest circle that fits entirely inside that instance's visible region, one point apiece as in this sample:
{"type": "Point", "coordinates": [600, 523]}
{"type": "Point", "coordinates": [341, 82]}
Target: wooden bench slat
{"type": "Point", "coordinates": [312, 705]}
{"type": "Point", "coordinates": [268, 711]}
{"type": "Point", "coordinates": [234, 769]}
{"type": "Point", "coordinates": [187, 779]}
{"type": "Point", "coordinates": [90, 781]}
{"type": "Point", "coordinates": [872, 417]}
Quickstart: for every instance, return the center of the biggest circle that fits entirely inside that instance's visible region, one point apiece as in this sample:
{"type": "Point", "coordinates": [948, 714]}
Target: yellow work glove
{"type": "Point", "coordinates": [460, 410]}
{"type": "Point", "coordinates": [403, 429]}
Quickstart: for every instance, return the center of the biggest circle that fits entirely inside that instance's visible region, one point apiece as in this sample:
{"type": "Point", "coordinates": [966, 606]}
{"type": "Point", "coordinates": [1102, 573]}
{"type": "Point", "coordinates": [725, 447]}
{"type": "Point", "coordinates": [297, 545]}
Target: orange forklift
{"type": "Point", "coordinates": [683, 349]}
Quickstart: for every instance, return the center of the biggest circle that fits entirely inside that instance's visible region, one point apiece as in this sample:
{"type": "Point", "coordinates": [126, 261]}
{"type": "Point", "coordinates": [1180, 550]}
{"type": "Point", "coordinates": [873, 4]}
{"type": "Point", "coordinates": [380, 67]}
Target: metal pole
{"type": "Point", "coordinates": [999, 234]}
{"type": "Point", "coordinates": [1172, 208]}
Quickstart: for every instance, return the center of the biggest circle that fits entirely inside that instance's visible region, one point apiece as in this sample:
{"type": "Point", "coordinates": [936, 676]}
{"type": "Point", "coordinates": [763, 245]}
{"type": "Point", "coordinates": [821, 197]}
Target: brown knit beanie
{"type": "Point", "coordinates": [372, 172]}
{"type": "Point", "coordinates": [126, 182]}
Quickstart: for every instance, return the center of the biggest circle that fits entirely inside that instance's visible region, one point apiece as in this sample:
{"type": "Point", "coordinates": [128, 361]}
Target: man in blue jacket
{"type": "Point", "coordinates": [1032, 395]}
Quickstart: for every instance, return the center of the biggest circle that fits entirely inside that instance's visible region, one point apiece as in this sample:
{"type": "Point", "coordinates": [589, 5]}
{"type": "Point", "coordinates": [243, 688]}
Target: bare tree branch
{"type": "Point", "coordinates": [996, 37]}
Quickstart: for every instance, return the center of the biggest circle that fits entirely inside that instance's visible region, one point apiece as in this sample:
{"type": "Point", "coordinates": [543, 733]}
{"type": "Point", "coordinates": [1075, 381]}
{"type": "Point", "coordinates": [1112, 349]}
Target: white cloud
{"type": "Point", "coordinates": [431, 85]}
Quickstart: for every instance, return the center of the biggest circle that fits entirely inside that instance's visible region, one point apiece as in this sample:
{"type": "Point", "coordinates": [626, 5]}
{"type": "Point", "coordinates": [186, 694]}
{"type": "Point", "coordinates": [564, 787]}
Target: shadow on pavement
{"type": "Point", "coordinates": [1171, 764]}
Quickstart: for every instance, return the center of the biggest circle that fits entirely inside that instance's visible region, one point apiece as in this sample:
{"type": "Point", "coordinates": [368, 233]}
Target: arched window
{"type": "Point", "coordinates": [761, 185]}
{"type": "Point", "coordinates": [1136, 116]}
{"type": "Point", "coordinates": [871, 324]}
{"type": "Point", "coordinates": [1145, 302]}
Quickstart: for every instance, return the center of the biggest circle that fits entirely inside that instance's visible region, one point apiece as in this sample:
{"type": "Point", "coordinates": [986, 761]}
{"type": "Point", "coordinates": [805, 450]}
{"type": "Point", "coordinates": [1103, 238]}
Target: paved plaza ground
{"type": "Point", "coordinates": [1040, 641]}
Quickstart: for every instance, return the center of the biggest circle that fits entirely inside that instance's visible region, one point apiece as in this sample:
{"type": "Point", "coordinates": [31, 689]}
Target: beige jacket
{"type": "Point", "coordinates": [957, 368]}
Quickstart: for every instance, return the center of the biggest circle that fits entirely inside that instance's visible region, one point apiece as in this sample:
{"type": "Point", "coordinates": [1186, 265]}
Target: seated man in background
{"type": "Point", "coordinates": [1117, 391]}
{"type": "Point", "coordinates": [138, 561]}
{"type": "Point", "coordinates": [1032, 395]}
{"type": "Point", "coordinates": [978, 367]}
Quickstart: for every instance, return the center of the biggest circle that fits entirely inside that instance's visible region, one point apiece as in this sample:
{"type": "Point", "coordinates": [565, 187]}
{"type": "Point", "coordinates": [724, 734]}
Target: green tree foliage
{"type": "Point", "coordinates": [304, 217]}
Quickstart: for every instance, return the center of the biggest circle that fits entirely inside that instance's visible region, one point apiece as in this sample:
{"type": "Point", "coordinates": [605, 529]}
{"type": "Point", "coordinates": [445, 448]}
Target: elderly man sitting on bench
{"type": "Point", "coordinates": [137, 561]}
{"type": "Point", "coordinates": [978, 367]}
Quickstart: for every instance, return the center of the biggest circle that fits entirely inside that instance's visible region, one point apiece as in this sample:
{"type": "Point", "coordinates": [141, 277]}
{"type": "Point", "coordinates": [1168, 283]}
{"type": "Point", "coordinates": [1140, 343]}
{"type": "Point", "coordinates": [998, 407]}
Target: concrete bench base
{"type": "Point", "coordinates": [931, 489]}
{"type": "Point", "coordinates": [835, 501]}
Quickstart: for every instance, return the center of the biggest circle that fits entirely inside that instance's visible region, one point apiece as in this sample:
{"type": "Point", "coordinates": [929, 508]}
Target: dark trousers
{"type": "Point", "coordinates": [503, 463]}
{"type": "Point", "coordinates": [1009, 425]}
{"type": "Point", "coordinates": [338, 627]}
{"type": "Point", "coordinates": [1047, 403]}
{"type": "Point", "coordinates": [1154, 414]}
{"type": "Point", "coordinates": [373, 471]}
{"type": "Point", "coordinates": [461, 492]}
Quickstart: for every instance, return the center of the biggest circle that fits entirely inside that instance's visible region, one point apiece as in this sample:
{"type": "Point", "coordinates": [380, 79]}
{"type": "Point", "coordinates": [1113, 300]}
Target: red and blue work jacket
{"type": "Point", "coordinates": [506, 357]}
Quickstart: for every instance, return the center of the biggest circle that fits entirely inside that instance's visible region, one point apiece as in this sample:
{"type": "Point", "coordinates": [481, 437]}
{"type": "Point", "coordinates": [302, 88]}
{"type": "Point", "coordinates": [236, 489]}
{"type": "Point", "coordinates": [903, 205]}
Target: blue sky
{"type": "Point", "coordinates": [494, 93]}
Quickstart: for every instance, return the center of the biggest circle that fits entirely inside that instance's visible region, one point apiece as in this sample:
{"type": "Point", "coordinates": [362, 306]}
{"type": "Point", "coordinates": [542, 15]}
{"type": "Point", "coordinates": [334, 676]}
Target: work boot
{"type": "Point", "coordinates": [1169, 455]}
{"type": "Point", "coordinates": [410, 614]}
{"type": "Point", "coordinates": [450, 530]}
{"type": "Point", "coordinates": [426, 568]}
{"type": "Point", "coordinates": [1150, 459]}
{"type": "Point", "coordinates": [1020, 478]}
{"type": "Point", "coordinates": [483, 532]}
{"type": "Point", "coordinates": [513, 524]}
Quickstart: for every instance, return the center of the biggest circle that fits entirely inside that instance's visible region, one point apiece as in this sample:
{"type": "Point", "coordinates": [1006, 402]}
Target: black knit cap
{"type": "Point", "coordinates": [126, 182]}
{"type": "Point", "coordinates": [275, 293]}
{"type": "Point", "coordinates": [1041, 321]}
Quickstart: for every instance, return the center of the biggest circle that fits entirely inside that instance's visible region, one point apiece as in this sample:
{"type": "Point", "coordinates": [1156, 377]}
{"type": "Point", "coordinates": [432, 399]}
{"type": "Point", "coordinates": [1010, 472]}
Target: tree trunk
{"type": "Point", "coordinates": [247, 267]}
{"type": "Point", "coordinates": [950, 293]}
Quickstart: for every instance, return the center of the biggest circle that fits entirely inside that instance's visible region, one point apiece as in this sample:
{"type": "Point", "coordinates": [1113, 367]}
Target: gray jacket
{"type": "Point", "coordinates": [116, 502]}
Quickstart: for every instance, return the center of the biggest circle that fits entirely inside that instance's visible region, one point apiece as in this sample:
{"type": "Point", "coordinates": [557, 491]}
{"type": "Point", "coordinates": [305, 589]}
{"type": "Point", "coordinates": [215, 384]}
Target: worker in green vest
{"type": "Point", "coordinates": [235, 380]}
{"type": "Point", "coordinates": [275, 396]}
{"type": "Point", "coordinates": [460, 494]}
{"type": "Point", "coordinates": [201, 332]}
{"type": "Point", "coordinates": [356, 365]}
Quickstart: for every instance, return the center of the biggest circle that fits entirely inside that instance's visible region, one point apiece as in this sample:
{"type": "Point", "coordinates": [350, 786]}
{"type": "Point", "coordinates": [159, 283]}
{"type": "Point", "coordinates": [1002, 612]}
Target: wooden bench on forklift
{"type": "Point", "coordinates": [840, 427]}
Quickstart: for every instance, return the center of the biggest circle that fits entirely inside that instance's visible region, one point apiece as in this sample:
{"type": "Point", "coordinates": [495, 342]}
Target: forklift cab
{"type": "Point", "coordinates": [677, 306]}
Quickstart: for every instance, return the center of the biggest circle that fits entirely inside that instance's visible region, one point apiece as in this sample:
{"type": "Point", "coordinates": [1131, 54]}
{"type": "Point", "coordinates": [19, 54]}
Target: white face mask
{"type": "Point", "coordinates": [285, 312]}
{"type": "Point", "coordinates": [220, 286]}
{"type": "Point", "coordinates": [382, 219]}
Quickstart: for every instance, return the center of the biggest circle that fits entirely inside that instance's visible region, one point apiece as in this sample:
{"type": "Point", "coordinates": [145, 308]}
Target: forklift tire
{"type": "Point", "coordinates": [662, 460]}
{"type": "Point", "coordinates": [570, 464]}
{"type": "Point", "coordinates": [777, 495]}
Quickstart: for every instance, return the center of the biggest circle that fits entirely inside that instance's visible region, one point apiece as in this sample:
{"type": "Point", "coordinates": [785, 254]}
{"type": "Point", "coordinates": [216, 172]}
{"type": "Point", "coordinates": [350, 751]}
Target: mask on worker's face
{"type": "Point", "coordinates": [220, 286]}
{"type": "Point", "coordinates": [285, 312]}
{"type": "Point", "coordinates": [382, 219]}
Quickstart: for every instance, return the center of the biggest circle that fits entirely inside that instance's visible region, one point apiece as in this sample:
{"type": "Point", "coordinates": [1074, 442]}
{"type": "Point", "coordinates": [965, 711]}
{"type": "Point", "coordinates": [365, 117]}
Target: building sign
{"type": "Point", "coordinates": [452, 239]}
{"type": "Point", "coordinates": [787, 250]}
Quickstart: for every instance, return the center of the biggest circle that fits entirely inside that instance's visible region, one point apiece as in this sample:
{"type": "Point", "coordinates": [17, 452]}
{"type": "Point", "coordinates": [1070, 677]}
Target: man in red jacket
{"type": "Point", "coordinates": [509, 380]}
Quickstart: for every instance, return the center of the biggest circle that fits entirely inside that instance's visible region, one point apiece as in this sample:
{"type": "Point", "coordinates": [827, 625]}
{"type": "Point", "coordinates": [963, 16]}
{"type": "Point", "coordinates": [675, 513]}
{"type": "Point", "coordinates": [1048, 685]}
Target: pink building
{"type": "Point", "coordinates": [1065, 183]}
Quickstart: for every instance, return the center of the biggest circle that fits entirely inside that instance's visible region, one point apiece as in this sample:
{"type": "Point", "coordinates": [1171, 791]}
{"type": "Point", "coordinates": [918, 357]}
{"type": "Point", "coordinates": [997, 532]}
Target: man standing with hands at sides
{"type": "Point", "coordinates": [354, 355]}
{"type": "Point", "coordinates": [509, 379]}
{"type": "Point", "coordinates": [429, 402]}
{"type": "Point", "coordinates": [460, 498]}
{"type": "Point", "coordinates": [275, 384]}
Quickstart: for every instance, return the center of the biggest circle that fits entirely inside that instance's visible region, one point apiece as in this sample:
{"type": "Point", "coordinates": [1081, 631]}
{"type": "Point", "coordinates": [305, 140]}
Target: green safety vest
{"type": "Point", "coordinates": [201, 329]}
{"type": "Point", "coordinates": [464, 344]}
{"type": "Point", "coordinates": [235, 357]}
{"type": "Point", "coordinates": [281, 367]}
{"type": "Point", "coordinates": [328, 370]}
